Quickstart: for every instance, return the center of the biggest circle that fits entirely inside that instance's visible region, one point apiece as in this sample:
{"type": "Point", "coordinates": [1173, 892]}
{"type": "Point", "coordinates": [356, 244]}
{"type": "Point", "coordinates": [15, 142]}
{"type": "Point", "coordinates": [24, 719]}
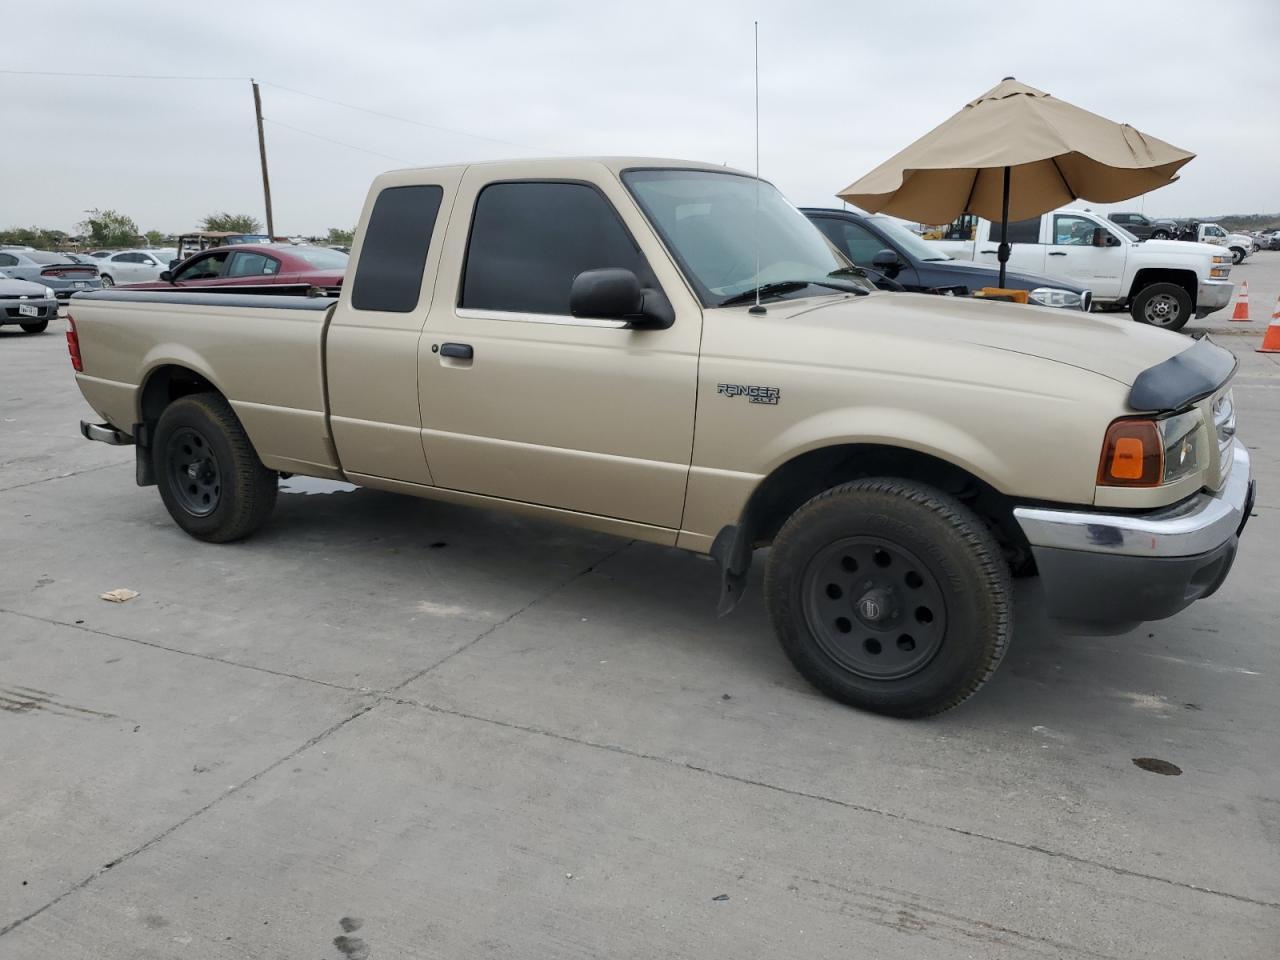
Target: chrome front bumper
{"type": "Point", "coordinates": [1128, 568]}
{"type": "Point", "coordinates": [1196, 525]}
{"type": "Point", "coordinates": [1213, 295]}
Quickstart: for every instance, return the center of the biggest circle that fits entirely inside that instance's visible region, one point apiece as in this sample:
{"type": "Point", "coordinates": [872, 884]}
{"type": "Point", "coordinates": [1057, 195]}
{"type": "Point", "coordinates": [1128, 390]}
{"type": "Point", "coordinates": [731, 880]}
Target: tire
{"type": "Point", "coordinates": [890, 596]}
{"type": "Point", "coordinates": [1159, 234]}
{"type": "Point", "coordinates": [106, 280]}
{"type": "Point", "coordinates": [1164, 305]}
{"type": "Point", "coordinates": [1237, 254]}
{"type": "Point", "coordinates": [40, 326]}
{"type": "Point", "coordinates": [210, 478]}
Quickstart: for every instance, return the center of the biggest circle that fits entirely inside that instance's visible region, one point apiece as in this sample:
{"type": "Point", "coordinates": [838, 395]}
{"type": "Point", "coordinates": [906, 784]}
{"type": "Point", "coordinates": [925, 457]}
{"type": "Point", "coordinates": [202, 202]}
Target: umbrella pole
{"type": "Point", "coordinates": [1003, 254]}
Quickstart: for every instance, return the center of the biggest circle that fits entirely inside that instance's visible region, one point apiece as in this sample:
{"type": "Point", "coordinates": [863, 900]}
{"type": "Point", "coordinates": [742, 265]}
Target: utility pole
{"type": "Point", "coordinates": [262, 154]}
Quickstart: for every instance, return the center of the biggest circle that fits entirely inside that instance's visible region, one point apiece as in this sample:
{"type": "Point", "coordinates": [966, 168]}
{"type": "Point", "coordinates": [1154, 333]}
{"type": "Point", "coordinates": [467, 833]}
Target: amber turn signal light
{"type": "Point", "coordinates": [1132, 455]}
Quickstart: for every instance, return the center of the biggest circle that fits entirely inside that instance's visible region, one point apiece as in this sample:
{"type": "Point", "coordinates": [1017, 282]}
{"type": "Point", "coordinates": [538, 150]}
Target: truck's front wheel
{"type": "Point", "coordinates": [209, 475]}
{"type": "Point", "coordinates": [891, 596]}
{"type": "Point", "coordinates": [1162, 305]}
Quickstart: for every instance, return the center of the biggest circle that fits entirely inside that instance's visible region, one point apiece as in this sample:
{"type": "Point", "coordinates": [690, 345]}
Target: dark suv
{"type": "Point", "coordinates": [1143, 228]}
{"type": "Point", "coordinates": [885, 248]}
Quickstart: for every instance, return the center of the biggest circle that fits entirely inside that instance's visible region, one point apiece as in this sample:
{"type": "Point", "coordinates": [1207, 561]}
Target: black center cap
{"type": "Point", "coordinates": [875, 606]}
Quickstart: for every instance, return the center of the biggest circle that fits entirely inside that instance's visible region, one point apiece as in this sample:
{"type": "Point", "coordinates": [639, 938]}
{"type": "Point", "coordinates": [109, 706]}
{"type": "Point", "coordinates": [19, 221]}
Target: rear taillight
{"type": "Point", "coordinates": [73, 346]}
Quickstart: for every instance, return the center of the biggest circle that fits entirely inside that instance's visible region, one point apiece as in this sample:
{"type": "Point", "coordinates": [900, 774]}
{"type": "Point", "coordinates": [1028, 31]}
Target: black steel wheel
{"type": "Point", "coordinates": [193, 471]}
{"type": "Point", "coordinates": [890, 595]}
{"type": "Point", "coordinates": [210, 478]}
{"type": "Point", "coordinates": [874, 607]}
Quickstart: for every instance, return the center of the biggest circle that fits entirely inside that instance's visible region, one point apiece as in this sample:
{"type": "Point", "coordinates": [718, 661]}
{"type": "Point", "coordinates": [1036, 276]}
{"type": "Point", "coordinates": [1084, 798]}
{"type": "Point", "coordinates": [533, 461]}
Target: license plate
{"type": "Point", "coordinates": [81, 283]}
{"type": "Point", "coordinates": [26, 310]}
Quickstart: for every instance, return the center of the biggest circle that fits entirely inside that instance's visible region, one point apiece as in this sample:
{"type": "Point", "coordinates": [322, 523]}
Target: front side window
{"type": "Point", "coordinates": [1073, 231]}
{"type": "Point", "coordinates": [852, 239]}
{"type": "Point", "coordinates": [210, 267]}
{"type": "Point", "coordinates": [252, 265]}
{"type": "Point", "coordinates": [1212, 231]}
{"type": "Point", "coordinates": [530, 239]}
{"type": "Point", "coordinates": [720, 226]}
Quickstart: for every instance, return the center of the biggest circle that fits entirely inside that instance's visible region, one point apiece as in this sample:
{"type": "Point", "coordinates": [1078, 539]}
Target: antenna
{"type": "Point", "coordinates": [757, 309]}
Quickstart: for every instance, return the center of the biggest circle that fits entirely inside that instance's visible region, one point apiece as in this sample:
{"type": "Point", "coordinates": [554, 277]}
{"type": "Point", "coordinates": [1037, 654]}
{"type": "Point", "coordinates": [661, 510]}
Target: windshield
{"type": "Point", "coordinates": [903, 237]}
{"type": "Point", "coordinates": [322, 257]}
{"type": "Point", "coordinates": [712, 223]}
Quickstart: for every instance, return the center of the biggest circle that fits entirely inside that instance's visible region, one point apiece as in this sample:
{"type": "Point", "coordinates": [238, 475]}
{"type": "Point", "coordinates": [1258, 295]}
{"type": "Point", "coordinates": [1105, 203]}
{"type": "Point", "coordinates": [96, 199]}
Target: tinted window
{"type": "Point", "coordinates": [205, 268]}
{"type": "Point", "coordinates": [529, 240]}
{"type": "Point", "coordinates": [1020, 231]}
{"type": "Point", "coordinates": [396, 240]}
{"type": "Point", "coordinates": [40, 256]}
{"type": "Point", "coordinates": [852, 239]}
{"type": "Point", "coordinates": [8, 260]}
{"type": "Point", "coordinates": [322, 257]}
{"type": "Point", "coordinates": [1073, 231]}
{"type": "Point", "coordinates": [252, 265]}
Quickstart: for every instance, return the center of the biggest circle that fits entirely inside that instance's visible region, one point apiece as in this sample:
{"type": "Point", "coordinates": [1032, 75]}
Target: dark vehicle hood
{"type": "Point", "coordinates": [1014, 279]}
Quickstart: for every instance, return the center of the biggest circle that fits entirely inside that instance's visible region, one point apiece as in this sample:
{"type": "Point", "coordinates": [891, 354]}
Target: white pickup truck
{"type": "Point", "coordinates": [1162, 282]}
{"type": "Point", "coordinates": [1238, 244]}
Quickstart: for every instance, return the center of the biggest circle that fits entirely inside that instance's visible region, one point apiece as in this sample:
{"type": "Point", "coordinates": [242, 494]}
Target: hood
{"type": "Point", "coordinates": [21, 288]}
{"type": "Point", "coordinates": [1118, 349]}
{"type": "Point", "coordinates": [1181, 247]}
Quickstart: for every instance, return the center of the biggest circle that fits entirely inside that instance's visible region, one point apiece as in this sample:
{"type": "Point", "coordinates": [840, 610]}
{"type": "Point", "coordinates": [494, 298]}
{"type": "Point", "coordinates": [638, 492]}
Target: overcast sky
{"type": "Point", "coordinates": [844, 85]}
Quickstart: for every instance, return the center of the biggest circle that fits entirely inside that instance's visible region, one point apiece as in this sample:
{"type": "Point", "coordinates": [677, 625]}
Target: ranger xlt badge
{"type": "Point", "coordinates": [753, 393]}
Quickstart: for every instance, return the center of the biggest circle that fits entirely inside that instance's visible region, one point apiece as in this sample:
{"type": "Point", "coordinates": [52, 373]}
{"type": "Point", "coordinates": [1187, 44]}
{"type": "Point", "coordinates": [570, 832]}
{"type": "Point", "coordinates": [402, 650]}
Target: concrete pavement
{"type": "Point", "coordinates": [392, 728]}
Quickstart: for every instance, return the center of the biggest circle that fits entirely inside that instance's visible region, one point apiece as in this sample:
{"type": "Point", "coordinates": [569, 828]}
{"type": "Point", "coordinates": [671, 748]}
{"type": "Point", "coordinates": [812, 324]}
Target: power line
{"type": "Point", "coordinates": [409, 120]}
{"type": "Point", "coordinates": [349, 146]}
{"type": "Point", "coordinates": [111, 76]}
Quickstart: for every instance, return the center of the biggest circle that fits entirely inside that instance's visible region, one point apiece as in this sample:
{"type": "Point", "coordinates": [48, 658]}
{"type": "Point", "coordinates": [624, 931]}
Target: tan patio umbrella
{"type": "Point", "coordinates": [1015, 152]}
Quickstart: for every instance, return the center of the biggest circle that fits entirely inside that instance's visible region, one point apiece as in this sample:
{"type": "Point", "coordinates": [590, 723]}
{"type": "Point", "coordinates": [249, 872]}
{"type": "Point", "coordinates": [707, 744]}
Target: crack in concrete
{"type": "Point", "coordinates": [379, 697]}
{"type": "Point", "coordinates": [62, 476]}
{"type": "Point", "coordinates": [846, 804]}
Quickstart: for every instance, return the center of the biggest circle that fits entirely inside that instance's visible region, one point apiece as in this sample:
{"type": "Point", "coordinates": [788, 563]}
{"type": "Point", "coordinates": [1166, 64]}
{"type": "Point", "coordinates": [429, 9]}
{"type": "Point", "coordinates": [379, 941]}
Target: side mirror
{"type": "Point", "coordinates": [1104, 238]}
{"type": "Point", "coordinates": [614, 293]}
{"type": "Point", "coordinates": [887, 262]}
{"type": "Point", "coordinates": [1112, 240]}
{"type": "Point", "coordinates": [167, 276]}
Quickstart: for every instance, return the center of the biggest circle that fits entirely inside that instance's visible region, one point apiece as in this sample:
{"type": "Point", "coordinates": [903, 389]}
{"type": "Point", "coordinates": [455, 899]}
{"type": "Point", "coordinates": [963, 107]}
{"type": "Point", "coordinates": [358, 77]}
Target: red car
{"type": "Point", "coordinates": [243, 265]}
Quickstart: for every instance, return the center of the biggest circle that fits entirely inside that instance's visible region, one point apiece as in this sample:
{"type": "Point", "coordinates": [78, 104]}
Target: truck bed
{"type": "Point", "coordinates": [265, 351]}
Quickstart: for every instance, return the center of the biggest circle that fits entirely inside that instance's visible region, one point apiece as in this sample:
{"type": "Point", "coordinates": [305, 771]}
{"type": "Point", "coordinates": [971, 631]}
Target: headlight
{"type": "Point", "coordinates": [1221, 258]}
{"type": "Point", "coordinates": [1219, 273]}
{"type": "Point", "coordinates": [48, 292]}
{"type": "Point", "coordinates": [1141, 452]}
{"type": "Point", "coordinates": [1053, 297]}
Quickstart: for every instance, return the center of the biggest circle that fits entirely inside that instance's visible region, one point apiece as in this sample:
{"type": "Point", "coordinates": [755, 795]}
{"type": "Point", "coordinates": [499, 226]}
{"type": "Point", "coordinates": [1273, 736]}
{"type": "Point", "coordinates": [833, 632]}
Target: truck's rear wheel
{"type": "Point", "coordinates": [891, 596]}
{"type": "Point", "coordinates": [1164, 305]}
{"type": "Point", "coordinates": [209, 475]}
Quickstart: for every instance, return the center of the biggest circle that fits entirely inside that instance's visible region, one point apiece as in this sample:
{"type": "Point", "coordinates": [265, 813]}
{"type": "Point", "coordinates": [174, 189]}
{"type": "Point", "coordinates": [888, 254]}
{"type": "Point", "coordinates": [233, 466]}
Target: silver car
{"type": "Point", "coordinates": [134, 266]}
{"type": "Point", "coordinates": [26, 304]}
{"type": "Point", "coordinates": [55, 270]}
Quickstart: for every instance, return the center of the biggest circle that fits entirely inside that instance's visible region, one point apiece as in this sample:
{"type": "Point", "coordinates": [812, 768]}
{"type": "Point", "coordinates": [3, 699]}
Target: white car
{"type": "Point", "coordinates": [134, 266]}
{"type": "Point", "coordinates": [1161, 282]}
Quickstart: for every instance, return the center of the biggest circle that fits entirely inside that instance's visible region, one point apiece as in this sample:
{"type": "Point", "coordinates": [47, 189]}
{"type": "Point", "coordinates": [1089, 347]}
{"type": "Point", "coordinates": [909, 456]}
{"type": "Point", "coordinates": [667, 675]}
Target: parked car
{"type": "Point", "coordinates": [134, 266]}
{"type": "Point", "coordinates": [1196, 231]}
{"type": "Point", "coordinates": [1161, 282]}
{"type": "Point", "coordinates": [1273, 240]}
{"type": "Point", "coordinates": [884, 245]}
{"type": "Point", "coordinates": [255, 265]}
{"type": "Point", "coordinates": [192, 243]}
{"type": "Point", "coordinates": [1144, 228]}
{"type": "Point", "coordinates": [671, 352]}
{"type": "Point", "coordinates": [27, 304]}
{"type": "Point", "coordinates": [55, 270]}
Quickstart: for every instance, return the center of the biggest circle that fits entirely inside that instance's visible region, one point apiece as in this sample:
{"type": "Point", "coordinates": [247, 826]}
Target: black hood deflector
{"type": "Point", "coordinates": [1183, 379]}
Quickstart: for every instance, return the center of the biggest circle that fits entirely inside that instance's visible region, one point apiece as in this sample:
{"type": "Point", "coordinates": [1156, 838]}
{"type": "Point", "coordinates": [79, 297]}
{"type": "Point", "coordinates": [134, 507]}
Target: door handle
{"type": "Point", "coordinates": [987, 251]}
{"type": "Point", "coordinates": [458, 351]}
{"type": "Point", "coordinates": [1057, 253]}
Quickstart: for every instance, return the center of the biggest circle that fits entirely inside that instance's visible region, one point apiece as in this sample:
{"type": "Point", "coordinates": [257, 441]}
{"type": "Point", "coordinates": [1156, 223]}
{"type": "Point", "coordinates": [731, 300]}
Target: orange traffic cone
{"type": "Point", "coordinates": [1242, 304]}
{"type": "Point", "coordinates": [1271, 340]}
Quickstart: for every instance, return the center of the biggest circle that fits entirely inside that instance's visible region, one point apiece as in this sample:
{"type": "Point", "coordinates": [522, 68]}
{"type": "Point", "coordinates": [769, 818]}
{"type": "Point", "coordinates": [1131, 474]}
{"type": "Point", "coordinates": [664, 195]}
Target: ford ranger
{"type": "Point", "coordinates": [671, 352]}
{"type": "Point", "coordinates": [1162, 282]}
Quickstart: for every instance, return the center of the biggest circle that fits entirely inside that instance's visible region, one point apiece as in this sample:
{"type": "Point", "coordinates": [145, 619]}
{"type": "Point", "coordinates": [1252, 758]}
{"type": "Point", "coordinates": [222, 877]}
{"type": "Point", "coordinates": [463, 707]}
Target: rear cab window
{"type": "Point", "coordinates": [393, 257]}
{"type": "Point", "coordinates": [1020, 231]}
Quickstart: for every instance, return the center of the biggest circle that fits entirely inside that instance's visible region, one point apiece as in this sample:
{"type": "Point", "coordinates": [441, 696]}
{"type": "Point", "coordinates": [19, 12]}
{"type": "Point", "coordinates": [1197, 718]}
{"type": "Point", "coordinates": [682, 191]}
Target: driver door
{"type": "Point", "coordinates": [523, 401]}
{"type": "Point", "coordinates": [1071, 254]}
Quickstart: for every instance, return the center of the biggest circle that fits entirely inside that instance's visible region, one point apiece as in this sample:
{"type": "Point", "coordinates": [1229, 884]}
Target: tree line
{"type": "Point", "coordinates": [111, 228]}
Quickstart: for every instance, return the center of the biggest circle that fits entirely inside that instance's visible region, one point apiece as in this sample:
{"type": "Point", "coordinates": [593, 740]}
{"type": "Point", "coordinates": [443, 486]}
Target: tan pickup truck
{"type": "Point", "coordinates": [671, 352]}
